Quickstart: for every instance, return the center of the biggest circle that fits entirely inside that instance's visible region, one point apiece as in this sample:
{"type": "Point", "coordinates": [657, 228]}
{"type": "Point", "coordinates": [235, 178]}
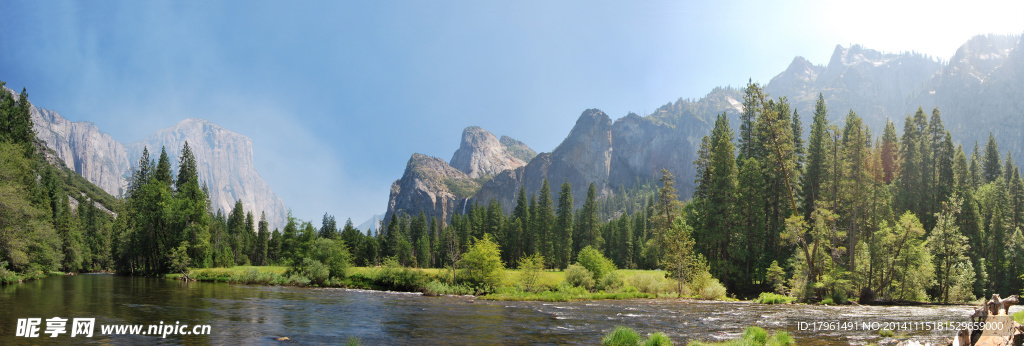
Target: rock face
{"type": "Point", "coordinates": [224, 158]}
{"type": "Point", "coordinates": [440, 189]}
{"type": "Point", "coordinates": [225, 164]}
{"type": "Point", "coordinates": [877, 86]}
{"type": "Point", "coordinates": [81, 146]}
{"type": "Point", "coordinates": [616, 155]}
{"type": "Point", "coordinates": [431, 186]}
{"type": "Point", "coordinates": [482, 155]}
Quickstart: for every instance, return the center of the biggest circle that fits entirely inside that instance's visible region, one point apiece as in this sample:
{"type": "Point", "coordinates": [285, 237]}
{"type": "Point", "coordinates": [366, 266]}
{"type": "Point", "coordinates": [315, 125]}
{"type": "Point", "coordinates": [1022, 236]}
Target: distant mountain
{"type": "Point", "coordinates": [371, 224]}
{"type": "Point", "coordinates": [225, 159]}
{"type": "Point", "coordinates": [225, 163]}
{"type": "Point", "coordinates": [978, 91]}
{"type": "Point", "coordinates": [440, 189]}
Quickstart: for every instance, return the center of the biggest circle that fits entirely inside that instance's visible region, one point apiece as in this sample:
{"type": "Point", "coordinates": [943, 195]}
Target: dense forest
{"type": "Point", "coordinates": [836, 215]}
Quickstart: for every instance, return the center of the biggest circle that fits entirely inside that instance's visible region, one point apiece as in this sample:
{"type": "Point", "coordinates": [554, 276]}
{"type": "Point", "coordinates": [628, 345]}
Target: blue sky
{"type": "Point", "coordinates": [337, 95]}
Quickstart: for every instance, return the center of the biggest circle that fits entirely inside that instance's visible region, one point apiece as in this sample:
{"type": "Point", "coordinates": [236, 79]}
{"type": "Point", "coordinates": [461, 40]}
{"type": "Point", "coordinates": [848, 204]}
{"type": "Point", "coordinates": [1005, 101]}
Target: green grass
{"type": "Point", "coordinates": [624, 336]}
{"type": "Point", "coordinates": [752, 336]}
{"type": "Point", "coordinates": [772, 298]}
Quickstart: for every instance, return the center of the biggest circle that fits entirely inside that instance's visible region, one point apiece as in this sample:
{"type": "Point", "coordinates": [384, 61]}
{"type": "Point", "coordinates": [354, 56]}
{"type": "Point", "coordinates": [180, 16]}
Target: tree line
{"type": "Point", "coordinates": [901, 217]}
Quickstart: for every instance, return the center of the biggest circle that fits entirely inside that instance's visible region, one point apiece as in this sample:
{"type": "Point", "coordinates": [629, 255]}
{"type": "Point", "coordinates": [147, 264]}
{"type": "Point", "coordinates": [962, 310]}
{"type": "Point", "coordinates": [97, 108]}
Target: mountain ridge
{"type": "Point", "coordinates": [225, 159]}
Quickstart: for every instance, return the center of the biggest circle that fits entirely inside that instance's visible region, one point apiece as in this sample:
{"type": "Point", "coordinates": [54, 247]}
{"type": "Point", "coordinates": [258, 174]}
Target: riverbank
{"type": "Point", "coordinates": [547, 286]}
{"type": "Point", "coordinates": [9, 277]}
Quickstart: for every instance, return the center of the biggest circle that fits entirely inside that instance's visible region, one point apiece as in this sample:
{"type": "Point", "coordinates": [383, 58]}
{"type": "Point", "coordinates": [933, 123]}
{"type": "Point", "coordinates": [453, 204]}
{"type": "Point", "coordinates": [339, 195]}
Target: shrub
{"type": "Point", "coordinates": [772, 298]}
{"type": "Point", "coordinates": [610, 282]}
{"type": "Point", "coordinates": [436, 288]}
{"type": "Point", "coordinates": [394, 276]}
{"type": "Point", "coordinates": [658, 339]}
{"type": "Point", "coordinates": [647, 283]}
{"type": "Point", "coordinates": [707, 287]}
{"type": "Point", "coordinates": [578, 276]}
{"type": "Point", "coordinates": [885, 333]}
{"type": "Point", "coordinates": [595, 262]}
{"type": "Point", "coordinates": [621, 336]}
{"type": "Point", "coordinates": [7, 276]}
{"type": "Point", "coordinates": [316, 272]}
{"type": "Point", "coordinates": [333, 254]}
{"type": "Point", "coordinates": [529, 271]}
{"type": "Point", "coordinates": [483, 262]}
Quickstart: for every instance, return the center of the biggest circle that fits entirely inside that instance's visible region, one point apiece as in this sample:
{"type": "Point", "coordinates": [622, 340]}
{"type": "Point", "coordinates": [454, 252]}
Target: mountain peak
{"type": "Point", "coordinates": [481, 154]}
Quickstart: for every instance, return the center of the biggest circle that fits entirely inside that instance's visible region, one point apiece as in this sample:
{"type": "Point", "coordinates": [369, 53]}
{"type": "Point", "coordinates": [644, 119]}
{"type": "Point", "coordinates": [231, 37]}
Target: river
{"type": "Point", "coordinates": [243, 314]}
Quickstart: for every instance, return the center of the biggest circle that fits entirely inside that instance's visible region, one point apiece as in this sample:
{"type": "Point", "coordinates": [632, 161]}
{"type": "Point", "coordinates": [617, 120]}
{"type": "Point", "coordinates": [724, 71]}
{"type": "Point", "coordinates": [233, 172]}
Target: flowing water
{"type": "Point", "coordinates": [242, 314]}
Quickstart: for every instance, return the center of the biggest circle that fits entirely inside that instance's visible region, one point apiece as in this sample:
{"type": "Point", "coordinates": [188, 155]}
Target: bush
{"type": "Point", "coordinates": [333, 254]}
{"type": "Point", "coordinates": [529, 271]}
{"type": "Point", "coordinates": [316, 272]}
{"type": "Point", "coordinates": [707, 287]}
{"type": "Point", "coordinates": [885, 333]}
{"type": "Point", "coordinates": [393, 276]}
{"type": "Point", "coordinates": [595, 262]}
{"type": "Point", "coordinates": [483, 262]}
{"type": "Point", "coordinates": [7, 276]}
{"type": "Point", "coordinates": [610, 282]}
{"type": "Point", "coordinates": [649, 284]}
{"type": "Point", "coordinates": [621, 336]}
{"type": "Point", "coordinates": [578, 276]}
{"type": "Point", "coordinates": [437, 288]}
{"type": "Point", "coordinates": [772, 298]}
{"type": "Point", "coordinates": [658, 339]}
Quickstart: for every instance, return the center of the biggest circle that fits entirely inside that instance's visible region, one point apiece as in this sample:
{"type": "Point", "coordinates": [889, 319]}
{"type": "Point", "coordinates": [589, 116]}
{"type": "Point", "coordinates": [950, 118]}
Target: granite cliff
{"type": "Point", "coordinates": [225, 159]}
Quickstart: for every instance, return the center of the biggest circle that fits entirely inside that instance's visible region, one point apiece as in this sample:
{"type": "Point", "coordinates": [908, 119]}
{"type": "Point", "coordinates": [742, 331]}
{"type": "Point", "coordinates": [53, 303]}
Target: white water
{"type": "Point", "coordinates": [466, 201]}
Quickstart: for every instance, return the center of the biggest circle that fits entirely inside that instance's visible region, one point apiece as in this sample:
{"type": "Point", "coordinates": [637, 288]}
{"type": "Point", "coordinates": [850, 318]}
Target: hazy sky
{"type": "Point", "coordinates": [337, 95]}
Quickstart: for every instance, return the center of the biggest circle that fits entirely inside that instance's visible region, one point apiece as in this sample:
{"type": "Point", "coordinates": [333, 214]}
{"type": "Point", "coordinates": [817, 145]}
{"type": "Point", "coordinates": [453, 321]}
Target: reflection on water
{"type": "Point", "coordinates": [240, 314]}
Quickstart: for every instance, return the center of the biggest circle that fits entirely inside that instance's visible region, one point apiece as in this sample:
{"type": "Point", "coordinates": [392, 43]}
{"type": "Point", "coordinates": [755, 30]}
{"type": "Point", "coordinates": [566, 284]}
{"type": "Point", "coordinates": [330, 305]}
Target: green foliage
{"type": "Point", "coordinates": [621, 336]}
{"type": "Point", "coordinates": [437, 288]}
{"type": "Point", "coordinates": [331, 253]}
{"type": "Point", "coordinates": [647, 283]}
{"type": "Point", "coordinates": [579, 276]}
{"type": "Point", "coordinates": [658, 339]}
{"type": "Point", "coordinates": [462, 188]}
{"type": "Point", "coordinates": [314, 270]}
{"type": "Point", "coordinates": [530, 268]}
{"type": "Point", "coordinates": [595, 262]}
{"type": "Point", "coordinates": [776, 276]}
{"type": "Point", "coordinates": [772, 298]}
{"type": "Point", "coordinates": [482, 262]}
{"type": "Point", "coordinates": [753, 336]}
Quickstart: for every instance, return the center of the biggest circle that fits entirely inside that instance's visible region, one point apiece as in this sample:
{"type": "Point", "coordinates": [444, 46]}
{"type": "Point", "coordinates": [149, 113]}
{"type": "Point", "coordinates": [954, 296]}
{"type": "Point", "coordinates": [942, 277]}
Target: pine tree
{"type": "Point", "coordinates": [816, 156]}
{"type": "Point", "coordinates": [562, 238]}
{"type": "Point", "coordinates": [889, 148]}
{"type": "Point", "coordinates": [163, 168]}
{"type": "Point", "coordinates": [753, 99]}
{"type": "Point", "coordinates": [991, 166]}
{"type": "Point", "coordinates": [262, 242]}
{"type": "Point", "coordinates": [587, 224]}
{"type": "Point", "coordinates": [544, 219]}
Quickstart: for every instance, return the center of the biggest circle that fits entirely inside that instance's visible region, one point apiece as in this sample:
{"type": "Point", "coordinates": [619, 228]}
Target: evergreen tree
{"type": "Point", "coordinates": [262, 242]}
{"type": "Point", "coordinates": [163, 168]}
{"type": "Point", "coordinates": [328, 227]}
{"type": "Point", "coordinates": [889, 148]}
{"type": "Point", "coordinates": [815, 173]}
{"type": "Point", "coordinates": [562, 232]}
{"type": "Point", "coordinates": [991, 166]}
{"type": "Point", "coordinates": [543, 221]}
{"type": "Point", "coordinates": [587, 224]}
